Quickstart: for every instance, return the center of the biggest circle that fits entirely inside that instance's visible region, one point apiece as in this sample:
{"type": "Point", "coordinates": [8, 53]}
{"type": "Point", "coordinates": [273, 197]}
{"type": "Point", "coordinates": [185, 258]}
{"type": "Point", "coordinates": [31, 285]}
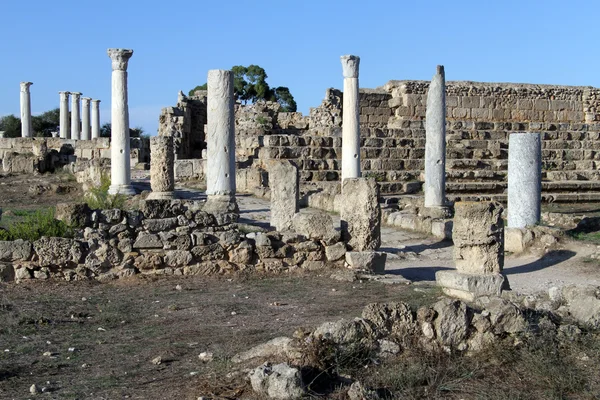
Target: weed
{"type": "Point", "coordinates": [35, 225]}
{"type": "Point", "coordinates": [98, 197]}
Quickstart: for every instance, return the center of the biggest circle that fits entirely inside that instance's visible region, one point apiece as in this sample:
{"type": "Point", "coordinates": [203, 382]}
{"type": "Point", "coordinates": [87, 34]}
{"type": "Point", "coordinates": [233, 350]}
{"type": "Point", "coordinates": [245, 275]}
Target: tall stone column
{"type": "Point", "coordinates": [120, 164]}
{"type": "Point", "coordinates": [162, 173]}
{"type": "Point", "coordinates": [435, 141]}
{"type": "Point", "coordinates": [26, 129]}
{"type": "Point", "coordinates": [524, 179]}
{"type": "Point", "coordinates": [75, 116]}
{"type": "Point", "coordinates": [95, 119]}
{"type": "Point", "coordinates": [85, 118]}
{"type": "Point", "coordinates": [64, 115]}
{"type": "Point", "coordinates": [350, 119]}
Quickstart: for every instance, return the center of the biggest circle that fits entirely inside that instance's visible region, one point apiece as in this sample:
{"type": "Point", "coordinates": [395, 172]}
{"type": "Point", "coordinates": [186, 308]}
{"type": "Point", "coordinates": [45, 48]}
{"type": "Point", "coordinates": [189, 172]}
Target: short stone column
{"type": "Point", "coordinates": [220, 135]}
{"type": "Point", "coordinates": [162, 173]}
{"type": "Point", "coordinates": [435, 141]}
{"type": "Point", "coordinates": [360, 214]}
{"type": "Point", "coordinates": [95, 119]}
{"type": "Point", "coordinates": [350, 119]}
{"type": "Point", "coordinates": [120, 163]}
{"type": "Point", "coordinates": [64, 115]}
{"type": "Point", "coordinates": [284, 186]}
{"type": "Point", "coordinates": [26, 128]}
{"type": "Point", "coordinates": [85, 118]}
{"type": "Point", "coordinates": [524, 179]}
{"type": "Point", "coordinates": [478, 236]}
{"type": "Point", "coordinates": [75, 116]}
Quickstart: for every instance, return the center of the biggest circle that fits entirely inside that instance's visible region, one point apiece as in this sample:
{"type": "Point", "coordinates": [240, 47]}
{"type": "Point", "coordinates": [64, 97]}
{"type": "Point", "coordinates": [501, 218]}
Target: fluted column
{"type": "Point", "coordinates": [64, 115]}
{"type": "Point", "coordinates": [120, 167]}
{"type": "Point", "coordinates": [95, 119]}
{"type": "Point", "coordinates": [435, 141]}
{"type": "Point", "coordinates": [26, 130]}
{"type": "Point", "coordinates": [350, 119]}
{"type": "Point", "coordinates": [75, 116]}
{"type": "Point", "coordinates": [85, 118]}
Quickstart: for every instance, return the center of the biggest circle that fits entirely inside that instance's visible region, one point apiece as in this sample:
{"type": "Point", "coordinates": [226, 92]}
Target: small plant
{"type": "Point", "coordinates": [98, 197]}
{"type": "Point", "coordinates": [262, 121]}
{"type": "Point", "coordinates": [378, 176]}
{"type": "Point", "coordinates": [35, 225]}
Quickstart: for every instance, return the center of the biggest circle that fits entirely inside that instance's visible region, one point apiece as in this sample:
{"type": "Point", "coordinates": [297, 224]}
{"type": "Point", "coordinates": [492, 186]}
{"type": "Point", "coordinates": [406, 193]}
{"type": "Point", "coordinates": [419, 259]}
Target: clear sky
{"type": "Point", "coordinates": [61, 45]}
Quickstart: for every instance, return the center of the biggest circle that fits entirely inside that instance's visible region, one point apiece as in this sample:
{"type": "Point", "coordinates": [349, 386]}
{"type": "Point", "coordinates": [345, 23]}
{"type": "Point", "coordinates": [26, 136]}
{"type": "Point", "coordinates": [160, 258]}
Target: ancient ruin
{"type": "Point", "coordinates": [350, 121]}
{"type": "Point", "coordinates": [162, 175]}
{"type": "Point", "coordinates": [64, 115]}
{"type": "Point", "coordinates": [26, 130]}
{"type": "Point", "coordinates": [75, 115]}
{"type": "Point", "coordinates": [95, 119]}
{"type": "Point", "coordinates": [85, 118]}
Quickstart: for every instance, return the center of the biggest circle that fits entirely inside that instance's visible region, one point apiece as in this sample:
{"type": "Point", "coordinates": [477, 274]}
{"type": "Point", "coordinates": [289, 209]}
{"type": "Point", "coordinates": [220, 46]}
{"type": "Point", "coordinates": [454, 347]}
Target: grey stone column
{"type": "Point", "coordinates": [220, 136]}
{"type": "Point", "coordinates": [435, 141]}
{"type": "Point", "coordinates": [64, 115]}
{"type": "Point", "coordinates": [524, 179]}
{"type": "Point", "coordinates": [162, 173]}
{"type": "Point", "coordinates": [120, 163]}
{"type": "Point", "coordinates": [284, 185]}
{"type": "Point", "coordinates": [75, 116]}
{"type": "Point", "coordinates": [85, 118]}
{"type": "Point", "coordinates": [26, 129]}
{"type": "Point", "coordinates": [95, 119]}
{"type": "Point", "coordinates": [350, 119]}
{"type": "Point", "coordinates": [360, 215]}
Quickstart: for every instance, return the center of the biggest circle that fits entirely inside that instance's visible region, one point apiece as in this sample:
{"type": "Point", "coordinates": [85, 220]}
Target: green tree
{"type": "Point", "coordinates": [105, 130]}
{"type": "Point", "coordinates": [200, 87]}
{"type": "Point", "coordinates": [46, 123]}
{"type": "Point", "coordinates": [282, 95]}
{"type": "Point", "coordinates": [11, 126]}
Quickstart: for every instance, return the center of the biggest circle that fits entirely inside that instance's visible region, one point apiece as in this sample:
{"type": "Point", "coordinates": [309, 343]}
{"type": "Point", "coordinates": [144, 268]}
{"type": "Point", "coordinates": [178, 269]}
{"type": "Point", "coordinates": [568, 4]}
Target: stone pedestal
{"type": "Point", "coordinates": [350, 119]}
{"type": "Point", "coordinates": [120, 164]}
{"type": "Point", "coordinates": [220, 135]}
{"type": "Point", "coordinates": [26, 128]}
{"type": "Point", "coordinates": [162, 159]}
{"type": "Point", "coordinates": [361, 214]}
{"type": "Point", "coordinates": [64, 115]}
{"type": "Point", "coordinates": [95, 119]}
{"type": "Point", "coordinates": [524, 179]}
{"type": "Point", "coordinates": [478, 236]}
{"type": "Point", "coordinates": [85, 118]}
{"type": "Point", "coordinates": [75, 116]}
{"type": "Point", "coordinates": [284, 185]}
{"type": "Point", "coordinates": [435, 142]}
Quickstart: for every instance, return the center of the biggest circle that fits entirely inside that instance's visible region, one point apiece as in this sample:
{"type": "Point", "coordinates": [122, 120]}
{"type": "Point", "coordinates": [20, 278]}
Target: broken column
{"type": "Point", "coordinates": [85, 118]}
{"type": "Point", "coordinates": [478, 236]}
{"type": "Point", "coordinates": [524, 179]}
{"type": "Point", "coordinates": [284, 185]}
{"type": "Point", "coordinates": [350, 119]}
{"type": "Point", "coordinates": [120, 163]}
{"type": "Point", "coordinates": [95, 119]}
{"type": "Point", "coordinates": [220, 138]}
{"type": "Point", "coordinates": [435, 142]}
{"type": "Point", "coordinates": [75, 115]}
{"type": "Point", "coordinates": [64, 115]}
{"type": "Point", "coordinates": [162, 160]}
{"type": "Point", "coordinates": [26, 128]}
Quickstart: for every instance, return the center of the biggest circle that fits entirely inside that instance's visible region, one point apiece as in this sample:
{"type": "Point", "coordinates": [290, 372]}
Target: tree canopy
{"type": "Point", "coordinates": [250, 85]}
{"type": "Point", "coordinates": [42, 125]}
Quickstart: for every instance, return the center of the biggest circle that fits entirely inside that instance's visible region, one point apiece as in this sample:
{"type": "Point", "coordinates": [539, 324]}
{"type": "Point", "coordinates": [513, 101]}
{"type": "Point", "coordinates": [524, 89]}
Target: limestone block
{"type": "Point", "coordinates": [184, 169]}
{"type": "Point", "coordinates": [284, 185]}
{"type": "Point", "coordinates": [77, 215]}
{"type": "Point", "coordinates": [54, 251]}
{"type": "Point", "coordinates": [18, 250]}
{"type": "Point", "coordinates": [373, 261]}
{"type": "Point", "coordinates": [335, 252]}
{"type": "Point", "coordinates": [160, 224]}
{"type": "Point", "coordinates": [361, 214]}
{"type": "Point", "coordinates": [314, 225]}
{"type": "Point", "coordinates": [279, 381]}
{"type": "Point", "coordinates": [516, 240]}
{"type": "Point", "coordinates": [441, 229]}
{"type": "Point", "coordinates": [7, 272]}
{"type": "Point", "coordinates": [147, 241]}
{"type": "Point", "coordinates": [468, 287]}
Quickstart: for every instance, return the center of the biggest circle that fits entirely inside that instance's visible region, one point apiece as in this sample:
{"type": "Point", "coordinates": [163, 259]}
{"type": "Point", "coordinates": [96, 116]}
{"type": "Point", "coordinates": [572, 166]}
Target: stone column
{"type": "Point", "coordinates": [85, 118]}
{"type": "Point", "coordinates": [75, 116]}
{"type": "Point", "coordinates": [360, 214]}
{"type": "Point", "coordinates": [435, 141]}
{"type": "Point", "coordinates": [95, 119]}
{"type": "Point", "coordinates": [350, 119]}
{"type": "Point", "coordinates": [120, 164]}
{"type": "Point", "coordinates": [220, 140]}
{"type": "Point", "coordinates": [524, 179]}
{"type": "Point", "coordinates": [162, 174]}
{"type": "Point", "coordinates": [284, 185]}
{"type": "Point", "coordinates": [64, 115]}
{"type": "Point", "coordinates": [26, 128]}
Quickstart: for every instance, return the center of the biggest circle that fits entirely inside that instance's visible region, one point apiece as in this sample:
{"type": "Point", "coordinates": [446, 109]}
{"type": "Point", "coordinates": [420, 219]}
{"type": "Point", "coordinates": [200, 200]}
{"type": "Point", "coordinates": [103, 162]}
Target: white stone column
{"type": "Point", "coordinates": [435, 141]}
{"type": "Point", "coordinates": [75, 116]}
{"type": "Point", "coordinates": [26, 129]}
{"type": "Point", "coordinates": [85, 118]}
{"type": "Point", "coordinates": [524, 179]}
{"type": "Point", "coordinates": [120, 164]}
{"type": "Point", "coordinates": [350, 119]}
{"type": "Point", "coordinates": [220, 136]}
{"type": "Point", "coordinates": [64, 115]}
{"type": "Point", "coordinates": [95, 119]}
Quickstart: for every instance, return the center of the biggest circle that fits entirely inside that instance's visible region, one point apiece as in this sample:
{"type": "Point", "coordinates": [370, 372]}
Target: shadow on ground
{"type": "Point", "coordinates": [547, 260]}
{"type": "Point", "coordinates": [418, 274]}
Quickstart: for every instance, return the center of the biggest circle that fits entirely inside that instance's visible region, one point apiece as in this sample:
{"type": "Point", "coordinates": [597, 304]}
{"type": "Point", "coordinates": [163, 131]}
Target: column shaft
{"type": "Point", "coordinates": [95, 119]}
{"type": "Point", "coordinates": [162, 174]}
{"type": "Point", "coordinates": [435, 142]}
{"type": "Point", "coordinates": [26, 129]}
{"type": "Point", "coordinates": [64, 115]}
{"type": "Point", "coordinates": [75, 116]}
{"type": "Point", "coordinates": [350, 119]}
{"type": "Point", "coordinates": [85, 118]}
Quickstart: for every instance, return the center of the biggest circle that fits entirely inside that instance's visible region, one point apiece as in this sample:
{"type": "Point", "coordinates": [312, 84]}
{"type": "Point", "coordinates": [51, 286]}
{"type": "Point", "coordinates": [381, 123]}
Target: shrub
{"type": "Point", "coordinates": [98, 197]}
{"type": "Point", "coordinates": [35, 225]}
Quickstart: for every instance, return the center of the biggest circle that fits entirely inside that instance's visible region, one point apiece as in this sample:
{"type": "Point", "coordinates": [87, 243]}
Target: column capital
{"type": "Point", "coordinates": [96, 101]}
{"type": "Point", "coordinates": [25, 86]}
{"type": "Point", "coordinates": [86, 99]}
{"type": "Point", "coordinates": [350, 65]}
{"type": "Point", "coordinates": [120, 58]}
{"type": "Point", "coordinates": [76, 95]}
{"type": "Point", "coordinates": [64, 93]}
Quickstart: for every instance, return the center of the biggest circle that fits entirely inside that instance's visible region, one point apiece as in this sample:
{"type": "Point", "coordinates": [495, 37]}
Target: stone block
{"type": "Point", "coordinates": [373, 261]}
{"type": "Point", "coordinates": [441, 229]}
{"type": "Point", "coordinates": [468, 287]}
{"type": "Point", "coordinates": [361, 214]}
{"type": "Point", "coordinates": [284, 185]}
{"type": "Point", "coordinates": [516, 240]}
{"type": "Point", "coordinates": [315, 225]}
{"type": "Point", "coordinates": [335, 252]}
{"type": "Point", "coordinates": [7, 272]}
{"type": "Point", "coordinates": [184, 169]}
{"type": "Point", "coordinates": [17, 250]}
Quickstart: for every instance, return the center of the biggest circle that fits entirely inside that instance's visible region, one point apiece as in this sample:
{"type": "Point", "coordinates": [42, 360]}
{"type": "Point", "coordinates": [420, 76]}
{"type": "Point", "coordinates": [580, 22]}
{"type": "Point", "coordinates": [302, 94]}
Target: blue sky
{"type": "Point", "coordinates": [61, 45]}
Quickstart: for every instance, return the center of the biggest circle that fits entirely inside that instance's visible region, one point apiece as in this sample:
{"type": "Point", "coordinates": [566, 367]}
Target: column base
{"type": "Point", "coordinates": [221, 204]}
{"type": "Point", "coordinates": [468, 287]}
{"type": "Point", "coordinates": [436, 212]}
{"type": "Point", "coordinates": [161, 196]}
{"type": "Point", "coordinates": [127, 190]}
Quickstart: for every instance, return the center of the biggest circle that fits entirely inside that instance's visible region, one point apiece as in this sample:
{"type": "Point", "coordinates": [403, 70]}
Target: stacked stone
{"type": "Point", "coordinates": [478, 236]}
{"type": "Point", "coordinates": [26, 128]}
{"type": "Point", "coordinates": [284, 185]}
{"type": "Point", "coordinates": [162, 177]}
{"type": "Point", "coordinates": [350, 119]}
